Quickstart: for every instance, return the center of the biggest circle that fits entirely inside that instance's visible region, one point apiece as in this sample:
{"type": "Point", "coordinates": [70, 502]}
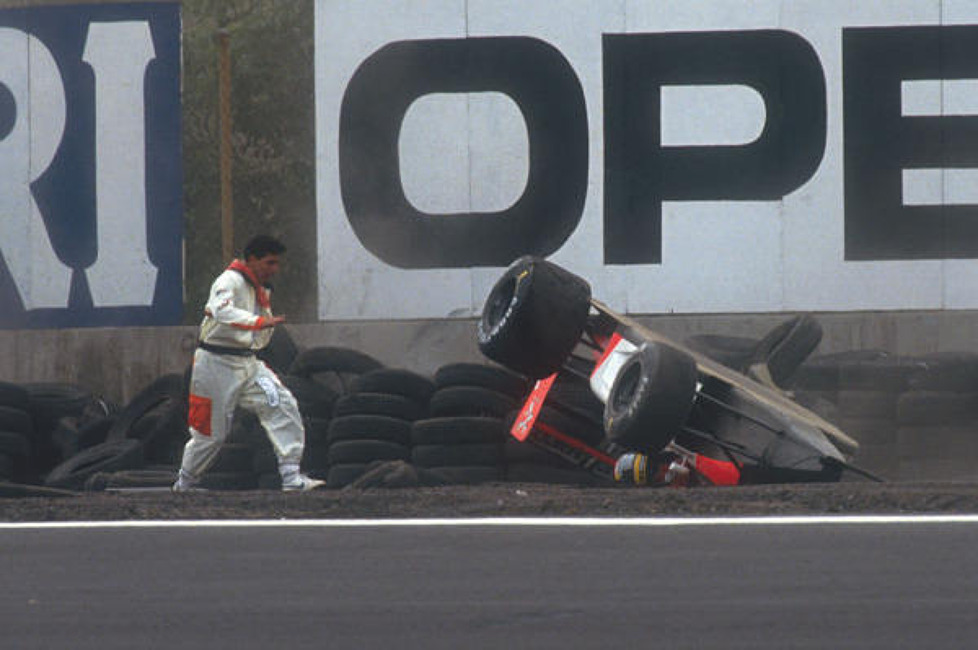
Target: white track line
{"type": "Point", "coordinates": [628, 522]}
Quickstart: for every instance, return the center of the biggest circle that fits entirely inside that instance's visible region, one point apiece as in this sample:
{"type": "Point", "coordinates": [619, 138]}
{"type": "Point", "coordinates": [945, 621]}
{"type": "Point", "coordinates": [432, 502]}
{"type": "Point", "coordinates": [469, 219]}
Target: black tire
{"type": "Point", "coordinates": [886, 372]}
{"type": "Point", "coordinates": [651, 398]}
{"type": "Point", "coordinates": [485, 455]}
{"type": "Point", "coordinates": [15, 419]}
{"type": "Point", "coordinates": [281, 351]}
{"type": "Point", "coordinates": [867, 404]}
{"type": "Point", "coordinates": [821, 403]}
{"type": "Point", "coordinates": [315, 456]}
{"type": "Point", "coordinates": [166, 389]}
{"type": "Point", "coordinates": [332, 359]}
{"type": "Point", "coordinates": [263, 458]}
{"type": "Point", "coordinates": [370, 427]}
{"type": "Point", "coordinates": [533, 317]}
{"type": "Point", "coordinates": [51, 401]}
{"type": "Point", "coordinates": [246, 428]}
{"type": "Point", "coordinates": [314, 398]}
{"type": "Point", "coordinates": [870, 432]}
{"type": "Point", "coordinates": [133, 478]}
{"type": "Point", "coordinates": [93, 433]}
{"type": "Point", "coordinates": [932, 408]}
{"type": "Point", "coordinates": [165, 423]}
{"type": "Point", "coordinates": [15, 445]}
{"type": "Point", "coordinates": [917, 444]}
{"type": "Point", "coordinates": [107, 457]}
{"type": "Point", "coordinates": [824, 372]}
{"type": "Point", "coordinates": [734, 352]}
{"type": "Point", "coordinates": [7, 467]}
{"type": "Point", "coordinates": [946, 371]}
{"type": "Point", "coordinates": [235, 458]}
{"type": "Point", "coordinates": [394, 406]}
{"type": "Point", "coordinates": [14, 395]}
{"type": "Point", "coordinates": [501, 380]}
{"type": "Point", "coordinates": [395, 381]}
{"type": "Point", "coordinates": [458, 431]}
{"type": "Point", "coordinates": [365, 451]}
{"type": "Point", "coordinates": [785, 348]}
{"type": "Point", "coordinates": [270, 481]}
{"type": "Point", "coordinates": [474, 401]}
{"type": "Point", "coordinates": [316, 429]}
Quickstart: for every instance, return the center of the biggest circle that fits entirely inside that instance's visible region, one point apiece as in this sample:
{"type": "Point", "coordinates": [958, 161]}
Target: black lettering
{"type": "Point", "coordinates": [537, 78]}
{"type": "Point", "coordinates": [880, 142]}
{"type": "Point", "coordinates": [640, 173]}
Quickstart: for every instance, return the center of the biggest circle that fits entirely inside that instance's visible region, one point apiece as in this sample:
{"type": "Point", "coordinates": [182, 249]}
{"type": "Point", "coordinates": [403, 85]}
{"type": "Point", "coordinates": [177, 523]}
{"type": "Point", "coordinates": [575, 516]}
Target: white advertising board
{"type": "Point", "coordinates": [695, 157]}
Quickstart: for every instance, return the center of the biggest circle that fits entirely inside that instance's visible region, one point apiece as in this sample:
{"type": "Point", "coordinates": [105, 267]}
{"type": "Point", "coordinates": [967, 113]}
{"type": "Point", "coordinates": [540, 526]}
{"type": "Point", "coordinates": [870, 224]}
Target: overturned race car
{"type": "Point", "coordinates": [631, 405]}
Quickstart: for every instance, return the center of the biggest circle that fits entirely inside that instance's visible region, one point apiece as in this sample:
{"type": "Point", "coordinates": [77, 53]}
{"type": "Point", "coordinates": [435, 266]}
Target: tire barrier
{"type": "Point", "coordinates": [916, 418]}
{"type": "Point", "coordinates": [366, 425]}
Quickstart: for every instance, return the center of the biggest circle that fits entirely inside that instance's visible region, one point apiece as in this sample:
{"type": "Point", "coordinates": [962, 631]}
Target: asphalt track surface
{"type": "Point", "coordinates": [646, 583]}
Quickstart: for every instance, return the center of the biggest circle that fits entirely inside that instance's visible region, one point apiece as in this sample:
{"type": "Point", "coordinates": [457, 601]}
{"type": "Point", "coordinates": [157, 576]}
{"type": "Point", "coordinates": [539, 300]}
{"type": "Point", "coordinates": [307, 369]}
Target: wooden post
{"type": "Point", "coordinates": [224, 92]}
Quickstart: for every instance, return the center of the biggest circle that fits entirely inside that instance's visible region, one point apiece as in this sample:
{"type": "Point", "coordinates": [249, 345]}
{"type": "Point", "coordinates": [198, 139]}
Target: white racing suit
{"type": "Point", "coordinates": [226, 374]}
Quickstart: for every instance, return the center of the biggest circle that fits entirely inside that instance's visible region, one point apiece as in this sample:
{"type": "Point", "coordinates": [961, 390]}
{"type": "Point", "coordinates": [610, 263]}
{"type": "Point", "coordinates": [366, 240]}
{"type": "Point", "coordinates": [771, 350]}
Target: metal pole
{"type": "Point", "coordinates": [224, 92]}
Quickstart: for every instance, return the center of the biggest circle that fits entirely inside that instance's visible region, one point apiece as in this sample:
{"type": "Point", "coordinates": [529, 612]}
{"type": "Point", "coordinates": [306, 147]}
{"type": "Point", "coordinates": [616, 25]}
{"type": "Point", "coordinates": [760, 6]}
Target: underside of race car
{"type": "Point", "coordinates": [627, 403]}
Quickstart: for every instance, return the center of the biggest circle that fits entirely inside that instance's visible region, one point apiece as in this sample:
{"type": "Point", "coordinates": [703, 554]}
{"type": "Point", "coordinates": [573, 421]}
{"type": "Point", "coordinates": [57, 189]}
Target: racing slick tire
{"type": "Point", "coordinates": [533, 317]}
{"type": "Point", "coordinates": [651, 398]}
{"type": "Point", "coordinates": [782, 350]}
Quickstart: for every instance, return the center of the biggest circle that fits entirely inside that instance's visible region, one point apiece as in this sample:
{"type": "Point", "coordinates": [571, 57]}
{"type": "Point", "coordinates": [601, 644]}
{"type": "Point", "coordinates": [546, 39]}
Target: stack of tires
{"type": "Point", "coordinates": [141, 444]}
{"type": "Point", "coordinates": [317, 377]}
{"type": "Point", "coordinates": [915, 418]}
{"type": "Point", "coordinates": [461, 441]}
{"type": "Point", "coordinates": [858, 391]}
{"type": "Point", "coordinates": [372, 423]}
{"type": "Point", "coordinates": [937, 419]}
{"type": "Point", "coordinates": [141, 439]}
{"type": "Point", "coordinates": [57, 410]}
{"type": "Point", "coordinates": [16, 433]}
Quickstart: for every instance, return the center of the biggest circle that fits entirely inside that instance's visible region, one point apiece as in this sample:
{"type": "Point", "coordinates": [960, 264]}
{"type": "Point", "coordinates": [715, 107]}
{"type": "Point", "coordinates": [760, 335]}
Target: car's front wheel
{"type": "Point", "coordinates": [651, 398]}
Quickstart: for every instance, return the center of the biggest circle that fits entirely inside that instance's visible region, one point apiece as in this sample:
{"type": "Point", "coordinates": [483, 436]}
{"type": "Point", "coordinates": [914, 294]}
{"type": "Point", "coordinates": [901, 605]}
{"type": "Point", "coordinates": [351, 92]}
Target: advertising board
{"type": "Point", "coordinates": [90, 165]}
{"type": "Point", "coordinates": [695, 157]}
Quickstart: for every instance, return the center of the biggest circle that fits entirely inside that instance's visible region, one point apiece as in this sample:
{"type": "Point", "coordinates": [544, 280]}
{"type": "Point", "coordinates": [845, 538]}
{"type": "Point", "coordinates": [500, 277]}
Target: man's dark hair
{"type": "Point", "coordinates": [261, 245]}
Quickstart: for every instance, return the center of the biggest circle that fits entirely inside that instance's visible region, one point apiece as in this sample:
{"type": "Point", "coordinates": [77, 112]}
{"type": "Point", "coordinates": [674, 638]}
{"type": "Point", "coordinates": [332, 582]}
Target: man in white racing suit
{"type": "Point", "coordinates": [238, 322]}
